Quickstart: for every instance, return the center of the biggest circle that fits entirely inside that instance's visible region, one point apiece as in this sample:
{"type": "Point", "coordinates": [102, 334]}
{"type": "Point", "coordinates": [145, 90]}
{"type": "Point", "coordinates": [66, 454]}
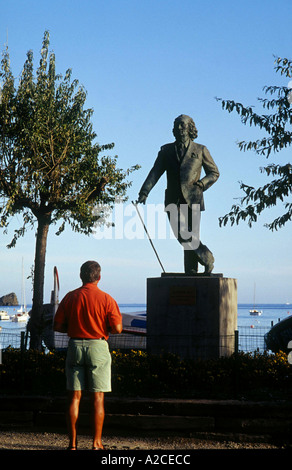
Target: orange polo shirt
{"type": "Point", "coordinates": [87, 312]}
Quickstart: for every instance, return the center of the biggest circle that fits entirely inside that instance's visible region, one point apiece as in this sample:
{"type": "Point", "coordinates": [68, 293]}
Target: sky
{"type": "Point", "coordinates": [143, 63]}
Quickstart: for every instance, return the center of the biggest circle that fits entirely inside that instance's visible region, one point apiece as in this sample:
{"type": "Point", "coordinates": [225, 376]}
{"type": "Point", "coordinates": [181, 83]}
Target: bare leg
{"type": "Point", "coordinates": [74, 398]}
{"type": "Point", "coordinates": [98, 418]}
{"type": "Point", "coordinates": [190, 262]}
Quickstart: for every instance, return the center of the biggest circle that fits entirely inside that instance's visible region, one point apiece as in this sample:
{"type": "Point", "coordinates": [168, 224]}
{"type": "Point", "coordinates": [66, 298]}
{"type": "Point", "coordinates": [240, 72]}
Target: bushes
{"type": "Point", "coordinates": [135, 373]}
{"type": "Point", "coordinates": [264, 375]}
{"type": "Point", "coordinates": [140, 374]}
{"type": "Point", "coordinates": [258, 376]}
{"type": "Point", "coordinates": [32, 372]}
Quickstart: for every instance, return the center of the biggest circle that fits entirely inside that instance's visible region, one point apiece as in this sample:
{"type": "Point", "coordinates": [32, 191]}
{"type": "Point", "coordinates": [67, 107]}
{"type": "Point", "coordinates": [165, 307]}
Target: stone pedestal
{"type": "Point", "coordinates": [191, 316]}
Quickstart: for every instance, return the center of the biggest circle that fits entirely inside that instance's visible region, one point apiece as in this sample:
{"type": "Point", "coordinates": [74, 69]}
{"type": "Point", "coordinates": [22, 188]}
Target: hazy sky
{"type": "Point", "coordinates": [143, 63]}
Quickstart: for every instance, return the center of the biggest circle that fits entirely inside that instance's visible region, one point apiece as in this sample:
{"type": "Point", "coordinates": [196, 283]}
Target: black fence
{"type": "Point", "coordinates": [245, 339]}
{"type": "Point", "coordinates": [252, 339]}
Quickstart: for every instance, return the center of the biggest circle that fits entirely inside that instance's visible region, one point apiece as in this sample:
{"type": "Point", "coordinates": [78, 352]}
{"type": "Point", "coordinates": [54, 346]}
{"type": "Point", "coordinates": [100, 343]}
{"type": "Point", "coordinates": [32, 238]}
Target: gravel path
{"type": "Point", "coordinates": [39, 440]}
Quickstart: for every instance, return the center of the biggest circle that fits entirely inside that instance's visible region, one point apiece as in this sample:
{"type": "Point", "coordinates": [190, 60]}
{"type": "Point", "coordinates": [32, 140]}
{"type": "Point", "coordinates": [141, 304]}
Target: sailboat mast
{"type": "Point", "coordinates": [254, 290]}
{"type": "Point", "coordinates": [23, 300]}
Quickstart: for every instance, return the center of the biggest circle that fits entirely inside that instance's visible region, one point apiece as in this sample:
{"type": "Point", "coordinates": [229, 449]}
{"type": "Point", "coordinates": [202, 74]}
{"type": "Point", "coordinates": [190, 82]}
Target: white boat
{"type": "Point", "coordinates": [4, 315]}
{"type": "Point", "coordinates": [22, 309]}
{"type": "Point", "coordinates": [254, 311]}
{"type": "Point", "coordinates": [134, 323]}
{"type": "Point", "coordinates": [20, 317]}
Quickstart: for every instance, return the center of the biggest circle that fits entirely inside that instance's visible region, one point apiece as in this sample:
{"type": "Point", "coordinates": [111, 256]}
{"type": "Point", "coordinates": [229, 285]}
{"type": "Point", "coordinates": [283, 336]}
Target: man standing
{"type": "Point", "coordinates": [183, 161]}
{"type": "Point", "coordinates": [88, 315]}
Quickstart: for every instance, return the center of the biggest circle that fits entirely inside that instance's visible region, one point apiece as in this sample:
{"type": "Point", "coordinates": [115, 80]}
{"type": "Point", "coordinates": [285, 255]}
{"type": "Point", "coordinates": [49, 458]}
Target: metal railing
{"type": "Point", "coordinates": [244, 340]}
{"type": "Point", "coordinates": [252, 339]}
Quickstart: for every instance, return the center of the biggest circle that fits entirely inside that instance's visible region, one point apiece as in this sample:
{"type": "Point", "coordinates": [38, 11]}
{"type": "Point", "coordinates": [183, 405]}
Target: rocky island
{"type": "Point", "coordinates": [9, 300]}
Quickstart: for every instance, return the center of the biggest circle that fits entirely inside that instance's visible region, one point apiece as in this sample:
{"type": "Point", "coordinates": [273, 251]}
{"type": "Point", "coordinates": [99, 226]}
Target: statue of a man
{"type": "Point", "coordinates": [183, 161]}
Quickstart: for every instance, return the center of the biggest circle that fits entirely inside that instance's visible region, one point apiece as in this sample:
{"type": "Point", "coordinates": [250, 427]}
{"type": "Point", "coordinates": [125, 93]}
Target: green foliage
{"type": "Point", "coordinates": [32, 372]}
{"type": "Point", "coordinates": [50, 163]}
{"type": "Point", "coordinates": [136, 373]}
{"type": "Point", "coordinates": [277, 126]}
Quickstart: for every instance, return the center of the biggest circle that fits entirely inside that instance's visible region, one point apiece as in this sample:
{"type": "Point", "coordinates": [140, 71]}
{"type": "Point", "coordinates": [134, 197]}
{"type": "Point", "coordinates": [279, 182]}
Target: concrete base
{"type": "Point", "coordinates": [192, 316]}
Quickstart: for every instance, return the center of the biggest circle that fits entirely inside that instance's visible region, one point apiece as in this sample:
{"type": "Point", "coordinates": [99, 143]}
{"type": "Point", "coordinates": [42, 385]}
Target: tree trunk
{"type": "Point", "coordinates": [36, 320]}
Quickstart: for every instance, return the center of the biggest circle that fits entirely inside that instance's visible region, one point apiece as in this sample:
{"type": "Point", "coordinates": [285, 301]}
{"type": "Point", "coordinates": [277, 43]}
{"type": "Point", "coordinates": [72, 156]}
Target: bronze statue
{"type": "Point", "coordinates": [183, 161]}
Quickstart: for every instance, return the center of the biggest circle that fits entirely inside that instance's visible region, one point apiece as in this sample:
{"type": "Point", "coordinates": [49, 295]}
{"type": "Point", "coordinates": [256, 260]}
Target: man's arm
{"type": "Point", "coordinates": [60, 327]}
{"type": "Point", "coordinates": [114, 317]}
{"type": "Point", "coordinates": [211, 170]}
{"type": "Point", "coordinates": [116, 329]}
{"type": "Point", "coordinates": [155, 173]}
{"type": "Point", "coordinates": [60, 321]}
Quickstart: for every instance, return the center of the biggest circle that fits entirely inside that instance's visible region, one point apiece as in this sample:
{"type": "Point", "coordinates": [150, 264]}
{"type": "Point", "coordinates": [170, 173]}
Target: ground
{"type": "Point", "coordinates": [43, 440]}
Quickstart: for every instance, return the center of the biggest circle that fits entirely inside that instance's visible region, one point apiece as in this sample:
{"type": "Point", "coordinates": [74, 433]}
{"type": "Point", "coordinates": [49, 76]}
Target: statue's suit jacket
{"type": "Point", "coordinates": [182, 174]}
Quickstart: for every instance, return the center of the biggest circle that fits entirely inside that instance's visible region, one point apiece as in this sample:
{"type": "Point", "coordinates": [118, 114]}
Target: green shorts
{"type": "Point", "coordinates": [88, 365]}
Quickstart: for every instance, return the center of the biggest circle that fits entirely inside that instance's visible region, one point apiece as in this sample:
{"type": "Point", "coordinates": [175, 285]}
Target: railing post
{"type": "Point", "coordinates": [22, 338]}
{"type": "Point", "coordinates": [22, 341]}
{"type": "Point", "coordinates": [235, 369]}
{"type": "Point", "coordinates": [236, 342]}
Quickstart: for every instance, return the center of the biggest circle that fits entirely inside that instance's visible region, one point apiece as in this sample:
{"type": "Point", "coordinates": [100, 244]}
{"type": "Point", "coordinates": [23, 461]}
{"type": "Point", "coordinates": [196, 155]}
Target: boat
{"type": "Point", "coordinates": [279, 336]}
{"type": "Point", "coordinates": [254, 311]}
{"type": "Point", "coordinates": [23, 309]}
{"type": "Point", "coordinates": [54, 340]}
{"type": "Point", "coordinates": [134, 332]}
{"type": "Point", "coordinates": [134, 322]}
{"type": "Point", "coordinates": [20, 317]}
{"type": "Point", "coordinates": [4, 315]}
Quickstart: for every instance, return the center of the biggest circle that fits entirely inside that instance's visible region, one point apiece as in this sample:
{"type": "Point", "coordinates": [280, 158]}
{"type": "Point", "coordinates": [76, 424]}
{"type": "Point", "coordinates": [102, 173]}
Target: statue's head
{"type": "Point", "coordinates": [192, 130]}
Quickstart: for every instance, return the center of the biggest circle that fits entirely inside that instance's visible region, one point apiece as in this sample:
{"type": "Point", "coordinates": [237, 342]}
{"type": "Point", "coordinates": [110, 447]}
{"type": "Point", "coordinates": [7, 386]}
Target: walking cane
{"type": "Point", "coordinates": [138, 212]}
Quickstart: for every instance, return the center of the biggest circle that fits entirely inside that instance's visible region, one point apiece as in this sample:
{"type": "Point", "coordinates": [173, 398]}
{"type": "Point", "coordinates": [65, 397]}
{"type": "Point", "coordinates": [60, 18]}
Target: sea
{"type": "Point", "coordinates": [247, 324]}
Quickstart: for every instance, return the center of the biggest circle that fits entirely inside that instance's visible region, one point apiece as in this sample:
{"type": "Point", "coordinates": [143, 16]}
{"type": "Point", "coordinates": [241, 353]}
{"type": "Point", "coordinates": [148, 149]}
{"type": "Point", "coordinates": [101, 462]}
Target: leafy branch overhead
{"type": "Point", "coordinates": [278, 136]}
{"type": "Point", "coordinates": [50, 164]}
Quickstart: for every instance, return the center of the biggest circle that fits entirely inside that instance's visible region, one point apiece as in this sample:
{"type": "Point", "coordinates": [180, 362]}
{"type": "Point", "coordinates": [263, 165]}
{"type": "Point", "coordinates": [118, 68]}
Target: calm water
{"type": "Point", "coordinates": [270, 313]}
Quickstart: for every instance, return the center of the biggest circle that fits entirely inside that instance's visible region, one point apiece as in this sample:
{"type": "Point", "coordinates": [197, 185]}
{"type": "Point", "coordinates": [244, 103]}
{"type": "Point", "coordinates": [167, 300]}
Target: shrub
{"type": "Point", "coordinates": [136, 373]}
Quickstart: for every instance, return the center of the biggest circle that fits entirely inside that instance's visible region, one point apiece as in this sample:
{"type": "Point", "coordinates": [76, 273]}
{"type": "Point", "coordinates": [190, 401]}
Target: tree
{"type": "Point", "coordinates": [277, 136]}
{"type": "Point", "coordinates": [51, 170]}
